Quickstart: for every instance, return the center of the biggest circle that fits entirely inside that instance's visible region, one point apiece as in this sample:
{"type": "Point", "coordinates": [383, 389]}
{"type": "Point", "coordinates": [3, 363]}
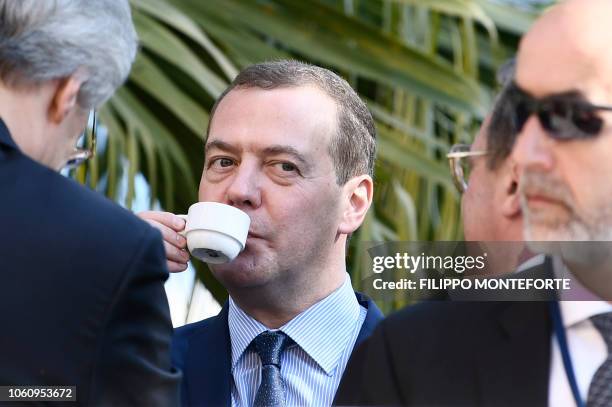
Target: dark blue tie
{"type": "Point", "coordinates": [269, 346]}
{"type": "Point", "coordinates": [600, 390]}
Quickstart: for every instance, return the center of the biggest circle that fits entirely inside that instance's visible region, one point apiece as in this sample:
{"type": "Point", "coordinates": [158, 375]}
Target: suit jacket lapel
{"type": "Point", "coordinates": [5, 136]}
{"type": "Point", "coordinates": [208, 360]}
{"type": "Point", "coordinates": [514, 370]}
{"type": "Point", "coordinates": [373, 317]}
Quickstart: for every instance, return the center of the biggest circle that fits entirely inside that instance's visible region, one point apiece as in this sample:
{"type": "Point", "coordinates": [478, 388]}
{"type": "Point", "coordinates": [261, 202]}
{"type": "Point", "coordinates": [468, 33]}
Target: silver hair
{"type": "Point", "coordinates": [53, 39]}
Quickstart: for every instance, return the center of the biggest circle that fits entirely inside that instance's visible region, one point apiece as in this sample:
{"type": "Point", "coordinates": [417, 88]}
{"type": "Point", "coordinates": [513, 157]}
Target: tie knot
{"type": "Point", "coordinates": [269, 345]}
{"type": "Point", "coordinates": [603, 323]}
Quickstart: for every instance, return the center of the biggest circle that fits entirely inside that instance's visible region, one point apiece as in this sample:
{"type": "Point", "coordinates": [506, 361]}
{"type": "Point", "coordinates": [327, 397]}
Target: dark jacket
{"type": "Point", "coordinates": [81, 290]}
{"type": "Point", "coordinates": [445, 353]}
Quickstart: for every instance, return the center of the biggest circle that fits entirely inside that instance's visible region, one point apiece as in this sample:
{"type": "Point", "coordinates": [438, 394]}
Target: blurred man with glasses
{"type": "Point", "coordinates": [489, 203]}
{"type": "Point", "coordinates": [486, 178]}
{"type": "Point", "coordinates": [81, 292]}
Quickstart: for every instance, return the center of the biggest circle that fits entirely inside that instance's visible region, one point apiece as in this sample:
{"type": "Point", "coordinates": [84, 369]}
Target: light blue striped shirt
{"type": "Point", "coordinates": [311, 369]}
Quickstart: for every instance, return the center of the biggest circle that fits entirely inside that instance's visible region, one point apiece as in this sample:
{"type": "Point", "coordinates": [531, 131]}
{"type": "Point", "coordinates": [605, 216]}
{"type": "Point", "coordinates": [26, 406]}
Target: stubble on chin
{"type": "Point", "coordinates": [565, 230]}
{"type": "Point", "coordinates": [556, 221]}
{"type": "Point", "coordinates": [251, 268]}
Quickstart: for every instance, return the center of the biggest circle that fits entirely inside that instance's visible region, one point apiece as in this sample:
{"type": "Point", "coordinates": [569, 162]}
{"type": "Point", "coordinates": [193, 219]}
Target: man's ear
{"type": "Point", "coordinates": [64, 98]}
{"type": "Point", "coordinates": [358, 192]}
{"type": "Point", "coordinates": [511, 205]}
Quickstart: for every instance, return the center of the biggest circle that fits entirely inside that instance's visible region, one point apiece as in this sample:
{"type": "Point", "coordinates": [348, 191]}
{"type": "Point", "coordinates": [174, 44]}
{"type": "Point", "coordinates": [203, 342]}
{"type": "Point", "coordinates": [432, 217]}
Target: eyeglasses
{"type": "Point", "coordinates": [566, 116]}
{"type": "Point", "coordinates": [86, 145]}
{"type": "Point", "coordinates": [459, 159]}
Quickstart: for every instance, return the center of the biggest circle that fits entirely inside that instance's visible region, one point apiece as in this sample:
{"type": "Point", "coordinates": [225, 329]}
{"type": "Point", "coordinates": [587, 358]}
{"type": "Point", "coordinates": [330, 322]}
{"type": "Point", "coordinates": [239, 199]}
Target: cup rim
{"type": "Point", "coordinates": [216, 232]}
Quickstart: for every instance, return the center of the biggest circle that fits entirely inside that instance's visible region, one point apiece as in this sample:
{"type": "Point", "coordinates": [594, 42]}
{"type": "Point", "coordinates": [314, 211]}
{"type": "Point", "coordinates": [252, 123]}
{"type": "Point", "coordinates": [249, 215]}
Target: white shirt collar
{"type": "Point", "coordinates": [576, 312]}
{"type": "Point", "coordinates": [322, 331]}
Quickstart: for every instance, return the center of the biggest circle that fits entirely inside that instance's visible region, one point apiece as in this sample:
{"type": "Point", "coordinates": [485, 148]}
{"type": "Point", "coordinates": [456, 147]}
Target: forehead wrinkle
{"type": "Point", "coordinates": [221, 145]}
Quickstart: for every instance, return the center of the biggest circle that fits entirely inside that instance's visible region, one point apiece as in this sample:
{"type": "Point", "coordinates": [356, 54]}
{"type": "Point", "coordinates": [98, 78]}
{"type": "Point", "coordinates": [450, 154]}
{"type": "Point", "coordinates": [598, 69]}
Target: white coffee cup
{"type": "Point", "coordinates": [215, 233]}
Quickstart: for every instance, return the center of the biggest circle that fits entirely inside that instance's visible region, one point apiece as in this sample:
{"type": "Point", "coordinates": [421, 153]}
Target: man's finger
{"type": "Point", "coordinates": [165, 218]}
{"type": "Point", "coordinates": [169, 235]}
{"type": "Point", "coordinates": [175, 254]}
{"type": "Point", "coordinates": [175, 267]}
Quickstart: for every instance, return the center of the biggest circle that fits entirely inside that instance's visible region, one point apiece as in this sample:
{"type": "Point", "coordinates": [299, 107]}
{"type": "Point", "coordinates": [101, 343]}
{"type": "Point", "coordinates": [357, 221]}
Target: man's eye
{"type": "Point", "coordinates": [222, 162]}
{"type": "Point", "coordinates": [286, 167]}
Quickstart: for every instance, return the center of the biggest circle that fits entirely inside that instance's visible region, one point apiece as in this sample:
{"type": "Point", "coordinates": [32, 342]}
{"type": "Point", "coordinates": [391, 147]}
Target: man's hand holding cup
{"type": "Point", "coordinates": [213, 232]}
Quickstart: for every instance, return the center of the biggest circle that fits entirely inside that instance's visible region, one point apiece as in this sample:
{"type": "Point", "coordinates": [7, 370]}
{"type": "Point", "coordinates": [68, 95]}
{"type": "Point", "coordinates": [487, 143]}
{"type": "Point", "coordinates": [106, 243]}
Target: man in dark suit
{"type": "Point", "coordinates": [293, 146]}
{"type": "Point", "coordinates": [82, 294]}
{"type": "Point", "coordinates": [526, 353]}
{"type": "Point", "coordinates": [461, 353]}
{"type": "Point", "coordinates": [203, 351]}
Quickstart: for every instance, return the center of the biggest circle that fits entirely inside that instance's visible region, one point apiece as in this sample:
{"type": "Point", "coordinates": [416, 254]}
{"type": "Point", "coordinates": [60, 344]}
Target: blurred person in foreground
{"type": "Point", "coordinates": [82, 294]}
{"type": "Point", "coordinates": [293, 146]}
{"type": "Point", "coordinates": [555, 353]}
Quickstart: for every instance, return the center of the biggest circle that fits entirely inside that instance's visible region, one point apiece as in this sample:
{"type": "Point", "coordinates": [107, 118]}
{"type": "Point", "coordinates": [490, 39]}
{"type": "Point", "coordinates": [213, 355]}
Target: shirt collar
{"type": "Point", "coordinates": [5, 136]}
{"type": "Point", "coordinates": [576, 312]}
{"type": "Point", "coordinates": [323, 331]}
{"type": "Point", "coordinates": [243, 329]}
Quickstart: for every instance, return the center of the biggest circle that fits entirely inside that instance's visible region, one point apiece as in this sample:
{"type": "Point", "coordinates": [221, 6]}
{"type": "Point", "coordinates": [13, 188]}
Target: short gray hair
{"type": "Point", "coordinates": [52, 39]}
{"type": "Point", "coordinates": [353, 148]}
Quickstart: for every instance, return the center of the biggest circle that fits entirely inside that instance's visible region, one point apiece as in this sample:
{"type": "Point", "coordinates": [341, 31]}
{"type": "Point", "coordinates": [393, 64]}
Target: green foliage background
{"type": "Point", "coordinates": [425, 67]}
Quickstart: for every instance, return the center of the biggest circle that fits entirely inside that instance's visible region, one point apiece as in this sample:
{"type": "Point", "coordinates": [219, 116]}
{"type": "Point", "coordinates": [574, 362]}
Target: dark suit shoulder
{"type": "Point", "coordinates": [427, 336]}
{"type": "Point", "coordinates": [430, 317]}
{"type": "Point", "coordinates": [69, 220]}
{"type": "Point", "coordinates": [99, 213]}
{"type": "Point", "coordinates": [186, 331]}
{"type": "Point", "coordinates": [184, 334]}
{"type": "Point", "coordinates": [430, 333]}
{"type": "Point", "coordinates": [45, 198]}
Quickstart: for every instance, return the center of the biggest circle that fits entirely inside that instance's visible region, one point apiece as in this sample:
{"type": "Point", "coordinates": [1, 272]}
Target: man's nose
{"type": "Point", "coordinates": [533, 148]}
{"type": "Point", "coordinates": [244, 189]}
